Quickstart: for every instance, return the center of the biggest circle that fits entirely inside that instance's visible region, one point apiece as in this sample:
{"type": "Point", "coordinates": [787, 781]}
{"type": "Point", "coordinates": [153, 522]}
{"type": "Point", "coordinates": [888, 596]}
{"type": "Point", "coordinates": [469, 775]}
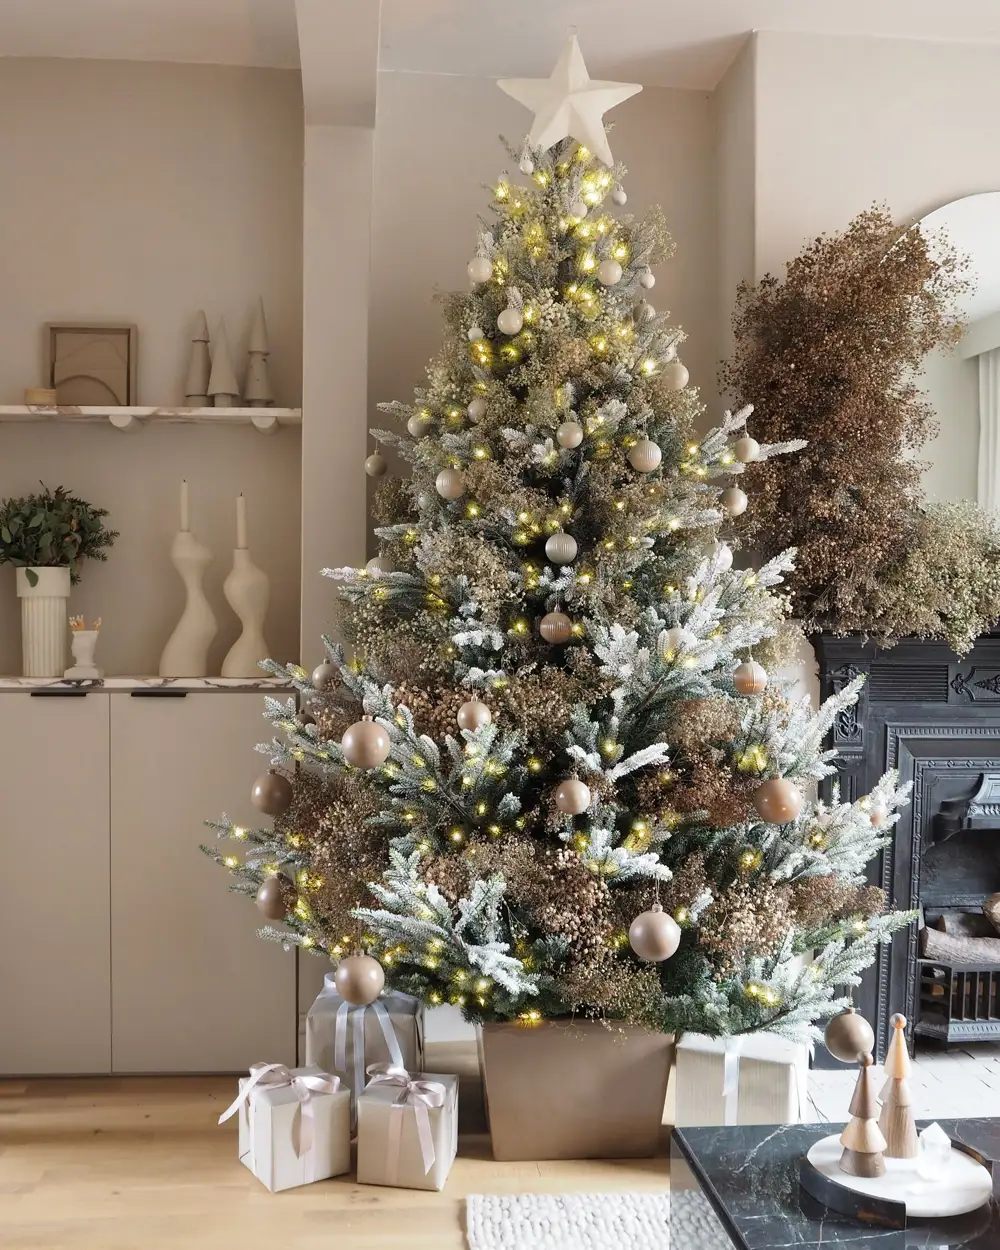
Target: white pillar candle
{"type": "Point", "coordinates": [185, 507]}
{"type": "Point", "coordinates": [241, 522]}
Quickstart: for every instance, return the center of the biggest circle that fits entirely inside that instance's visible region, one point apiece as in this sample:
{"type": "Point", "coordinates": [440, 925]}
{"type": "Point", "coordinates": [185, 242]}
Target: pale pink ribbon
{"type": "Point", "coordinates": [418, 1094]}
{"type": "Point", "coordinates": [304, 1085]}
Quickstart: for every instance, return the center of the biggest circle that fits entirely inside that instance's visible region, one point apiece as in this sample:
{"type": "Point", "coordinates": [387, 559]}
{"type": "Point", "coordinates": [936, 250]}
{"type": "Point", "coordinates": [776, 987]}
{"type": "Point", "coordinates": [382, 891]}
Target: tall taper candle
{"type": "Point", "coordinates": [185, 507]}
{"type": "Point", "coordinates": [241, 522]}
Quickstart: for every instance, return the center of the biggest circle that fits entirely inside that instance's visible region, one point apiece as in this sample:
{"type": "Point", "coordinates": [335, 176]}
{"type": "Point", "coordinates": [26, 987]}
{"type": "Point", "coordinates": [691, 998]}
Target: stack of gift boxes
{"type": "Point", "coordinates": [364, 1074]}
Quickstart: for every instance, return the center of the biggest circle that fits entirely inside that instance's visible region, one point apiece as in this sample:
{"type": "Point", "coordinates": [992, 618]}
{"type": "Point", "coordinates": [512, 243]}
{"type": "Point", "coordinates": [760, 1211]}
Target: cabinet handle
{"type": "Point", "coordinates": [58, 694]}
{"type": "Point", "coordinates": [159, 694]}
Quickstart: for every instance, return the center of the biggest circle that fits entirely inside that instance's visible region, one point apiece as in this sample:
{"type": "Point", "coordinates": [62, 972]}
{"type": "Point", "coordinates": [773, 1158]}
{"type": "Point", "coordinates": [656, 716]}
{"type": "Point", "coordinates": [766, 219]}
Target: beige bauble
{"type": "Point", "coordinates": [274, 896]}
{"type": "Point", "coordinates": [734, 501]}
{"type": "Point", "coordinates": [777, 801]}
{"type": "Point", "coordinates": [480, 269]}
{"type": "Point", "coordinates": [572, 796]}
{"type": "Point", "coordinates": [647, 279]}
{"type": "Point", "coordinates": [450, 484]}
{"type": "Point", "coordinates": [609, 273]}
{"type": "Point", "coordinates": [750, 678]}
{"type": "Point", "coordinates": [272, 793]}
{"type": "Point", "coordinates": [878, 816]}
{"type": "Point", "coordinates": [746, 449]}
{"type": "Point", "coordinates": [365, 744]}
{"type": "Point", "coordinates": [848, 1035]}
{"type": "Point", "coordinates": [476, 409]}
{"type": "Point", "coordinates": [473, 715]}
{"type": "Point", "coordinates": [555, 627]}
{"type": "Point", "coordinates": [510, 322]}
{"type": "Point", "coordinates": [376, 465]}
{"type": "Point", "coordinates": [645, 456]}
{"type": "Point", "coordinates": [653, 935]}
{"type": "Point", "coordinates": [675, 377]}
{"type": "Point", "coordinates": [419, 425]}
{"type": "Point", "coordinates": [569, 434]}
{"type": "Point", "coordinates": [561, 548]}
{"type": "Point", "coordinates": [359, 979]}
{"type": "Point", "coordinates": [378, 566]}
{"type": "Point", "coordinates": [324, 675]}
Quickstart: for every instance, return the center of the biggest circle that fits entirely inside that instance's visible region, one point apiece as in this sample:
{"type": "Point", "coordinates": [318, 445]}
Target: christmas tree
{"type": "Point", "coordinates": [553, 776]}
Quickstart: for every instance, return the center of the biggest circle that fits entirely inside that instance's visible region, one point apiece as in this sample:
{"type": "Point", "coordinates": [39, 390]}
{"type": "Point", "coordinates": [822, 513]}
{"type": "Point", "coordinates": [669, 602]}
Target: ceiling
{"type": "Point", "coordinates": [683, 43]}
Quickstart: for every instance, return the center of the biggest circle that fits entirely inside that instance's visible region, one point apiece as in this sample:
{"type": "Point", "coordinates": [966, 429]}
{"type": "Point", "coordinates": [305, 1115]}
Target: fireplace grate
{"type": "Point", "coordinates": [959, 1002]}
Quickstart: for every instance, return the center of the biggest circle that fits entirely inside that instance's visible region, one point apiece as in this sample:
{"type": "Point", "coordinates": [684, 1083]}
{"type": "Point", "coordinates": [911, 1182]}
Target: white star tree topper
{"type": "Point", "coordinates": [569, 103]}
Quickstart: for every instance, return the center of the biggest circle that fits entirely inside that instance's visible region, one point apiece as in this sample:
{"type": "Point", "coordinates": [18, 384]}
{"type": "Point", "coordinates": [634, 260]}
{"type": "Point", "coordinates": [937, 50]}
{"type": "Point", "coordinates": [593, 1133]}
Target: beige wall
{"type": "Point", "coordinates": [142, 193]}
{"type": "Point", "coordinates": [435, 147]}
{"type": "Point", "coordinates": [845, 122]}
{"type": "Point", "coordinates": [735, 187]}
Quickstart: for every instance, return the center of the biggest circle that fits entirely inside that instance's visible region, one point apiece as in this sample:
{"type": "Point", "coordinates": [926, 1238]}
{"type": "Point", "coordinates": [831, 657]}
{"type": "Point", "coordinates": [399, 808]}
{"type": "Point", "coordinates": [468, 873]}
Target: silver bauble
{"type": "Point", "coordinates": [848, 1035]}
{"type": "Point", "coordinates": [644, 456]}
{"type": "Point", "coordinates": [271, 793]}
{"type": "Point", "coordinates": [476, 409]}
{"type": "Point", "coordinates": [474, 714]}
{"type": "Point", "coordinates": [609, 273]}
{"type": "Point", "coordinates": [419, 425]}
{"type": "Point", "coordinates": [750, 678]}
{"type": "Point", "coordinates": [450, 484]}
{"type": "Point", "coordinates": [647, 279]}
{"type": "Point", "coordinates": [365, 744]}
{"type": "Point", "coordinates": [569, 434]}
{"type": "Point", "coordinates": [619, 196]}
{"type": "Point", "coordinates": [376, 465]}
{"type": "Point", "coordinates": [378, 566]}
{"type": "Point", "coordinates": [474, 334]}
{"type": "Point", "coordinates": [510, 321]}
{"type": "Point", "coordinates": [555, 627]}
{"type": "Point", "coordinates": [578, 210]}
{"type": "Point", "coordinates": [674, 376]}
{"type": "Point", "coordinates": [653, 935]}
{"type": "Point", "coordinates": [733, 501]}
{"type": "Point", "coordinates": [480, 269]}
{"type": "Point", "coordinates": [561, 548]}
{"type": "Point", "coordinates": [572, 796]}
{"type": "Point", "coordinates": [323, 675]}
{"type": "Point", "coordinates": [746, 449]}
{"type": "Point", "coordinates": [359, 980]}
{"type": "Point", "coordinates": [527, 165]}
{"type": "Point", "coordinates": [777, 801]}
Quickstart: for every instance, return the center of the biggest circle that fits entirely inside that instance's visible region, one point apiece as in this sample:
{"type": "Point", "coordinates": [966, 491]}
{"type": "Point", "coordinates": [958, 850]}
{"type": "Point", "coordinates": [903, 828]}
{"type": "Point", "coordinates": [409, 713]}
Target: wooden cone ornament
{"type": "Point", "coordinates": [365, 744]}
{"type": "Point", "coordinates": [272, 793]}
{"type": "Point", "coordinates": [896, 1120]}
{"type": "Point", "coordinates": [862, 1138]}
{"type": "Point", "coordinates": [473, 715]}
{"type": "Point", "coordinates": [653, 935]}
{"type": "Point", "coordinates": [359, 979]}
{"type": "Point", "coordinates": [848, 1035]}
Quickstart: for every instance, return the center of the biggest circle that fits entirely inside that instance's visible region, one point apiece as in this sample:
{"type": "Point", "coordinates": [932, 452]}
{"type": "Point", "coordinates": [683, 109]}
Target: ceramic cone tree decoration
{"type": "Point", "coordinates": [199, 367]}
{"type": "Point", "coordinates": [222, 385]}
{"type": "Point", "coordinates": [257, 391]}
{"type": "Point", "coordinates": [497, 857]}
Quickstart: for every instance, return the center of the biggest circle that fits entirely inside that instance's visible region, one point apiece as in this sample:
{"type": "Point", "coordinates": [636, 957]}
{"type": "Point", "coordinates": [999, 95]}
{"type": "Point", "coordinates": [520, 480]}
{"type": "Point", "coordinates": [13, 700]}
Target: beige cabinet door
{"type": "Point", "coordinates": [194, 989]}
{"type": "Point", "coordinates": [55, 958]}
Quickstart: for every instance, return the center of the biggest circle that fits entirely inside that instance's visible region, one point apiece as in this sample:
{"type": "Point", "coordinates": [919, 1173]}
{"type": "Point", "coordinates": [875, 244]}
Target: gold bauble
{"type": "Point", "coordinates": [561, 548]}
{"type": "Point", "coordinates": [450, 484]}
{"type": "Point", "coordinates": [274, 896]}
{"type": "Point", "coordinates": [376, 465]}
{"type": "Point", "coordinates": [572, 796]}
{"type": "Point", "coordinates": [750, 678]}
{"type": "Point", "coordinates": [653, 935]}
{"type": "Point", "coordinates": [359, 979]}
{"type": "Point", "coordinates": [555, 627]}
{"type": "Point", "coordinates": [645, 456]}
{"type": "Point", "coordinates": [674, 376]}
{"type": "Point", "coordinates": [777, 801]}
{"type": "Point", "coordinates": [746, 449]}
{"type": "Point", "coordinates": [733, 501]}
{"type": "Point", "coordinates": [365, 744]}
{"type": "Point", "coordinates": [569, 434]}
{"type": "Point", "coordinates": [848, 1036]}
{"type": "Point", "coordinates": [474, 715]}
{"type": "Point", "coordinates": [272, 793]}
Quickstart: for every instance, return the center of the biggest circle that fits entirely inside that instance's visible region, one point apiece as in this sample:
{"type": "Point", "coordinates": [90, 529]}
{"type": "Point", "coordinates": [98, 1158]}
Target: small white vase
{"type": "Point", "coordinates": [248, 593]}
{"type": "Point", "coordinates": [83, 644]}
{"type": "Point", "coordinates": [186, 652]}
{"type": "Point", "coordinates": [44, 620]}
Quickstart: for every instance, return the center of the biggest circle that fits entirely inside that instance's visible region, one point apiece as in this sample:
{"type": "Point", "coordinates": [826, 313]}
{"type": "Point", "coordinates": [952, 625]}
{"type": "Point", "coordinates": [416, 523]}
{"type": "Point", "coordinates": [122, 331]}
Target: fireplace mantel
{"type": "Point", "coordinates": [936, 717]}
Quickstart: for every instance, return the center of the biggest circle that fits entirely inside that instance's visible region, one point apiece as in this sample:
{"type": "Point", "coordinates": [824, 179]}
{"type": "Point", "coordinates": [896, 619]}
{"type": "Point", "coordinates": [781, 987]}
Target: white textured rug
{"type": "Point", "coordinates": [568, 1221]}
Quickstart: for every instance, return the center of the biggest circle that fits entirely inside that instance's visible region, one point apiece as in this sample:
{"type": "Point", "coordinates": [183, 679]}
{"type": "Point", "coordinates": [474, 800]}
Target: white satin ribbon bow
{"type": "Point", "coordinates": [418, 1094]}
{"type": "Point", "coordinates": [350, 1016]}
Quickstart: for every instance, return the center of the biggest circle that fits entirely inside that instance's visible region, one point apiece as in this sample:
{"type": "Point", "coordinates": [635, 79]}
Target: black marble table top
{"type": "Point", "coordinates": [746, 1180]}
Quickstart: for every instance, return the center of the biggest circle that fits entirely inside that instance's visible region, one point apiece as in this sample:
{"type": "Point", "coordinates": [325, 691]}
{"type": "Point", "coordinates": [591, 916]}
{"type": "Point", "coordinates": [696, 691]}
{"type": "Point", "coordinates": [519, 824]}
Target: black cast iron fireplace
{"type": "Point", "coordinates": [936, 718]}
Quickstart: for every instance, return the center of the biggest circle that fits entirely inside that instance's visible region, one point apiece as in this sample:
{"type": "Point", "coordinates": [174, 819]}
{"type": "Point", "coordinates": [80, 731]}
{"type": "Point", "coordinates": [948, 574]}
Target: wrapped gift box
{"type": "Point", "coordinates": [345, 1040]}
{"type": "Point", "coordinates": [408, 1130]}
{"type": "Point", "coordinates": [753, 1079]}
{"type": "Point", "coordinates": [291, 1134]}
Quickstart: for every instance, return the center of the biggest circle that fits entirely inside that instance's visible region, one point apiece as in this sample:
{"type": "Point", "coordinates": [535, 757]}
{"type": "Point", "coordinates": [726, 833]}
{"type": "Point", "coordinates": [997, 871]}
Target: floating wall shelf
{"type": "Point", "coordinates": [265, 420]}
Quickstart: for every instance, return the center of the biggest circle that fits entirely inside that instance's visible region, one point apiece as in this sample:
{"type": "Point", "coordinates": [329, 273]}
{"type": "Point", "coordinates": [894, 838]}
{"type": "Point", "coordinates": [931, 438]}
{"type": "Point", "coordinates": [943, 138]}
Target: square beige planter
{"type": "Point", "coordinates": [574, 1089]}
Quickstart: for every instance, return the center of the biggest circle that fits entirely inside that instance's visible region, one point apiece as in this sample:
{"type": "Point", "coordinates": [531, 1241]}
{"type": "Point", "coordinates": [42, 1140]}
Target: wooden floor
{"type": "Point", "coordinates": [139, 1163]}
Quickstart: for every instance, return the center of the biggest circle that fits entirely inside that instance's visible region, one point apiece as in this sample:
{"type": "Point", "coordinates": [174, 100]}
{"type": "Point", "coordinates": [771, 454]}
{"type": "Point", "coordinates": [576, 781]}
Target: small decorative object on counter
{"type": "Point", "coordinates": [933, 1153]}
{"type": "Point", "coordinates": [896, 1119]}
{"type": "Point", "coordinates": [754, 1078]}
{"type": "Point", "coordinates": [199, 366]}
{"type": "Point", "coordinates": [223, 388]}
{"type": "Point", "coordinates": [186, 652]}
{"type": "Point", "coordinates": [345, 1039]}
{"type": "Point", "coordinates": [248, 593]}
{"type": "Point", "coordinates": [407, 1128]}
{"type": "Point", "coordinates": [257, 388]}
{"type": "Point", "coordinates": [83, 644]}
{"type": "Point", "coordinates": [295, 1125]}
{"type": "Point", "coordinates": [40, 396]}
{"type": "Point", "coordinates": [848, 1035]}
{"type": "Point", "coordinates": [862, 1138]}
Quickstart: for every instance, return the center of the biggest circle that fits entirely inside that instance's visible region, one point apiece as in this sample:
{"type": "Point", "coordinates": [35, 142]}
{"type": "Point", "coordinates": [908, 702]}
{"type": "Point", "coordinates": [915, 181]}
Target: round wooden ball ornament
{"type": "Point", "coordinates": [750, 678]}
{"type": "Point", "coordinates": [474, 714]}
{"type": "Point", "coordinates": [480, 269]}
{"type": "Point", "coordinates": [609, 273]}
{"type": "Point", "coordinates": [359, 979]}
{"type": "Point", "coordinates": [848, 1035]}
{"type": "Point", "coordinates": [323, 675]}
{"type": "Point", "coordinates": [674, 376]}
{"type": "Point", "coordinates": [476, 409]}
{"type": "Point", "coordinates": [365, 744]}
{"type": "Point", "coordinates": [376, 465]}
{"type": "Point", "coordinates": [555, 627]}
{"type": "Point", "coordinates": [572, 796]}
{"type": "Point", "coordinates": [734, 501]}
{"type": "Point", "coordinates": [450, 484]}
{"type": "Point", "coordinates": [510, 322]}
{"type": "Point", "coordinates": [274, 895]}
{"type": "Point", "coordinates": [645, 456]}
{"type": "Point", "coordinates": [419, 425]}
{"type": "Point", "coordinates": [654, 935]}
{"type": "Point", "coordinates": [746, 449]}
{"type": "Point", "coordinates": [561, 548]}
{"type": "Point", "coordinates": [777, 801]}
{"type": "Point", "coordinates": [569, 434]}
{"type": "Point", "coordinates": [271, 793]}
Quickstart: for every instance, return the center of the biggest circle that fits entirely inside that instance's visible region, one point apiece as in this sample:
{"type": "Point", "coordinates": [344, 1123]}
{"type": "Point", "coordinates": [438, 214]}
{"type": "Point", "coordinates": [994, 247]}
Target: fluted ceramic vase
{"type": "Point", "coordinates": [44, 620]}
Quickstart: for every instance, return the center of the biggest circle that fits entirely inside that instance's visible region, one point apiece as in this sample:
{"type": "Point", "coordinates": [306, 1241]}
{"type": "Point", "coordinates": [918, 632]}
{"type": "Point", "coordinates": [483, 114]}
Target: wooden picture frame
{"type": "Point", "coordinates": [92, 364]}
